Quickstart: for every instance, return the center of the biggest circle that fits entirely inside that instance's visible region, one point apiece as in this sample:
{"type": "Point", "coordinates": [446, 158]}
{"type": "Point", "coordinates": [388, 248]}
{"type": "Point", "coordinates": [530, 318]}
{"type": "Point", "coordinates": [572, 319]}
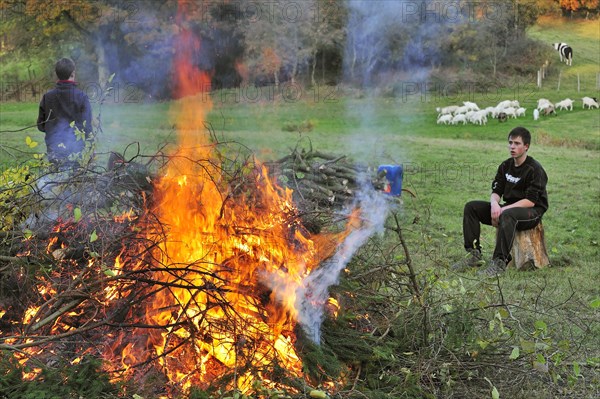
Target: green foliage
{"type": "Point", "coordinates": [14, 189]}
{"type": "Point", "coordinates": [196, 393]}
{"type": "Point", "coordinates": [64, 381]}
{"type": "Point", "coordinates": [321, 362]}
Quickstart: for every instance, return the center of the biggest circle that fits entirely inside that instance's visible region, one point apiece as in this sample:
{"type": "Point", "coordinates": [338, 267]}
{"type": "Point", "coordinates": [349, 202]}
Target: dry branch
{"type": "Point", "coordinates": [319, 180]}
{"type": "Point", "coordinates": [71, 256]}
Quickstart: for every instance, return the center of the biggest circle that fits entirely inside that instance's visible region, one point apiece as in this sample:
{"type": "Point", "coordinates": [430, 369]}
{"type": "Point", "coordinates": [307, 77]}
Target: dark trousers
{"type": "Point", "coordinates": [511, 220]}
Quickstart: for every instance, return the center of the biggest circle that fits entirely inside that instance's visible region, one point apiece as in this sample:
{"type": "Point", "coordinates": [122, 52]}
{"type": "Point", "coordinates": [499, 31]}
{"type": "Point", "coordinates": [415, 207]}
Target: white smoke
{"type": "Point", "coordinates": [312, 294]}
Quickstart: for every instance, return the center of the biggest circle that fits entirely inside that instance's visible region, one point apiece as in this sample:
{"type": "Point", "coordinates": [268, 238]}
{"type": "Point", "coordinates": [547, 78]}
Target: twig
{"type": "Point", "coordinates": [12, 258]}
{"type": "Point", "coordinates": [413, 278]}
{"type": "Point", "coordinates": [412, 275]}
{"type": "Point", "coordinates": [38, 342]}
{"type": "Point", "coordinates": [57, 313]}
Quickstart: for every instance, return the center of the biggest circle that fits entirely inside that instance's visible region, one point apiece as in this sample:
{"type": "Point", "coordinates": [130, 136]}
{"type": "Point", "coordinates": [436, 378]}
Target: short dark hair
{"type": "Point", "coordinates": [64, 68]}
{"type": "Point", "coordinates": [522, 133]}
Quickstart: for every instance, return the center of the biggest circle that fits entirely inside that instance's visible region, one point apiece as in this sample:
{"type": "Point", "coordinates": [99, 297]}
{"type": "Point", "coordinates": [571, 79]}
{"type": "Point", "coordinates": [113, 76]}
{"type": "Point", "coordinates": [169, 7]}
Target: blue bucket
{"type": "Point", "coordinates": [394, 175]}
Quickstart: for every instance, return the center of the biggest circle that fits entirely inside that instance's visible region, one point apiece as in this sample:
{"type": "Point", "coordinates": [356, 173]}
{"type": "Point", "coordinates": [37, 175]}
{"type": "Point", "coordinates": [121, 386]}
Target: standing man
{"type": "Point", "coordinates": [63, 111]}
{"type": "Point", "coordinates": [520, 183]}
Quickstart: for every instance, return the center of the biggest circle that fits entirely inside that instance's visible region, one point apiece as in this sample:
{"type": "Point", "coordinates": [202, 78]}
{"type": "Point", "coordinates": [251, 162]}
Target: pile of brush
{"type": "Point", "coordinates": [318, 179]}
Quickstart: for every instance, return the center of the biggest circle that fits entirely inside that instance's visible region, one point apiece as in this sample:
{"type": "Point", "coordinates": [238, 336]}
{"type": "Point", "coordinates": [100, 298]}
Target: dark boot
{"type": "Point", "coordinates": [472, 259]}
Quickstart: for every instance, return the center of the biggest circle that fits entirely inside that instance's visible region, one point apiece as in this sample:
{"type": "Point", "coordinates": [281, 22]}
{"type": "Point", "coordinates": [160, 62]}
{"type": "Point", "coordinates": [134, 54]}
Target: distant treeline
{"type": "Point", "coordinates": [262, 42]}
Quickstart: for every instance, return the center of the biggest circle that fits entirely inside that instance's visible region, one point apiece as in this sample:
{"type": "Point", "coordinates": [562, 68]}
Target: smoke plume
{"type": "Point", "coordinates": [312, 294]}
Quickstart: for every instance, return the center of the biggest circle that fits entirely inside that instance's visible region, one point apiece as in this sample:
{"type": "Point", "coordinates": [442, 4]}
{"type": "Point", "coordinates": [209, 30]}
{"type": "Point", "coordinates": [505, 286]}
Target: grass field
{"type": "Point", "coordinates": [444, 165]}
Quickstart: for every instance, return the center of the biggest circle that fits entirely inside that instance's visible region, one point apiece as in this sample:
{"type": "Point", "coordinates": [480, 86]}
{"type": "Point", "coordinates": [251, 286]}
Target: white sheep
{"type": "Point", "coordinates": [536, 114]}
{"type": "Point", "coordinates": [446, 110]}
{"type": "Point", "coordinates": [548, 110]}
{"type": "Point", "coordinates": [461, 110]}
{"type": "Point", "coordinates": [444, 119]}
{"type": "Point", "coordinates": [471, 106]}
{"type": "Point", "coordinates": [490, 110]}
{"type": "Point", "coordinates": [504, 104]}
{"type": "Point", "coordinates": [567, 103]}
{"type": "Point", "coordinates": [459, 118]}
{"type": "Point", "coordinates": [544, 103]}
{"type": "Point", "coordinates": [479, 117]}
{"type": "Point", "coordinates": [510, 111]}
{"type": "Point", "coordinates": [590, 102]}
{"type": "Point", "coordinates": [521, 111]}
{"type": "Point", "coordinates": [497, 111]}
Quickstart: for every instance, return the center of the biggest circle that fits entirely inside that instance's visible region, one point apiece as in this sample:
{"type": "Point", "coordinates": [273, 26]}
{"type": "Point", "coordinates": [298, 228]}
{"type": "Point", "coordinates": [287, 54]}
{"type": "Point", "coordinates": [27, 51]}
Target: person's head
{"type": "Point", "coordinates": [522, 133]}
{"type": "Point", "coordinates": [518, 143]}
{"type": "Point", "coordinates": [64, 68]}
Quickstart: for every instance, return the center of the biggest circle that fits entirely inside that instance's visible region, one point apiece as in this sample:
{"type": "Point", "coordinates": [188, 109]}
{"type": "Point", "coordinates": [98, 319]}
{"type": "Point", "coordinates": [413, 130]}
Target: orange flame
{"type": "Point", "coordinates": [213, 250]}
{"type": "Point", "coordinates": [226, 265]}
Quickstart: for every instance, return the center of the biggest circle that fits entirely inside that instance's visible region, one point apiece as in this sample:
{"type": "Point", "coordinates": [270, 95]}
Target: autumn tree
{"type": "Point", "coordinates": [112, 32]}
{"type": "Point", "coordinates": [272, 38]}
{"type": "Point", "coordinates": [577, 5]}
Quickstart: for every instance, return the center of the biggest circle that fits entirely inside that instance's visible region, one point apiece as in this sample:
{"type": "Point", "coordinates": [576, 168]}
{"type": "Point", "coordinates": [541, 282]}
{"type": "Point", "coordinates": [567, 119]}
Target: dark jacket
{"type": "Point", "coordinates": [60, 108]}
{"type": "Point", "coordinates": [527, 181]}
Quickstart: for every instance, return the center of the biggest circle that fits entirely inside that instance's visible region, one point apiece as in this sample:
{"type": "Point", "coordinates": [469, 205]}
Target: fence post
{"type": "Point", "coordinates": [578, 83]}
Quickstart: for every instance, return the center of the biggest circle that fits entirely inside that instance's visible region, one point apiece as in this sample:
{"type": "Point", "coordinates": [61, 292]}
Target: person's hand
{"type": "Point", "coordinates": [496, 212]}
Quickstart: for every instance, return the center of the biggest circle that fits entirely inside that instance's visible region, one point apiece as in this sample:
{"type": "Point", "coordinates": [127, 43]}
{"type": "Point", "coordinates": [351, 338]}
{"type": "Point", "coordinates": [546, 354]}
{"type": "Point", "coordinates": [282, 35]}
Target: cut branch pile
{"type": "Point", "coordinates": [320, 178]}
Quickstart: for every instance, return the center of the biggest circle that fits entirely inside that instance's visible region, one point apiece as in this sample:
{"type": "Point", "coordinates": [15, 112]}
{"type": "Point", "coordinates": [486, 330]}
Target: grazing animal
{"type": "Point", "coordinates": [504, 104]}
{"type": "Point", "coordinates": [502, 117]}
{"type": "Point", "coordinates": [543, 103]}
{"type": "Point", "coordinates": [565, 51]}
{"type": "Point", "coordinates": [444, 119]}
{"type": "Point", "coordinates": [479, 117]}
{"type": "Point", "coordinates": [590, 102]}
{"type": "Point", "coordinates": [510, 111]}
{"type": "Point", "coordinates": [536, 114]}
{"type": "Point", "coordinates": [521, 111]}
{"type": "Point", "coordinates": [548, 110]}
{"type": "Point", "coordinates": [459, 118]}
{"type": "Point", "coordinates": [461, 110]}
{"type": "Point", "coordinates": [567, 103]}
{"type": "Point", "coordinates": [446, 110]}
{"type": "Point", "coordinates": [471, 106]}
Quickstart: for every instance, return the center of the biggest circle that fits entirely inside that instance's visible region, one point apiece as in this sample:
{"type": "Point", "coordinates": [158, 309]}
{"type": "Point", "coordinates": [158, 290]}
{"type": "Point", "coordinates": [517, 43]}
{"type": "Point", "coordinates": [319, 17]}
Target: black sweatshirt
{"type": "Point", "coordinates": [60, 107]}
{"type": "Point", "coordinates": [527, 181]}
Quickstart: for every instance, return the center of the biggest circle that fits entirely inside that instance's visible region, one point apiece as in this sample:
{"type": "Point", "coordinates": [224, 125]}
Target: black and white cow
{"type": "Point", "coordinates": [565, 51]}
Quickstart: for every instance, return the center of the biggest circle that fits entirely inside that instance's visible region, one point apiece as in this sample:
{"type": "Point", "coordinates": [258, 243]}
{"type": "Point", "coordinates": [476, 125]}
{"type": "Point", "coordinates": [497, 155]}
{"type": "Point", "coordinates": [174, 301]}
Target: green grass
{"type": "Point", "coordinates": [584, 38]}
{"type": "Point", "coordinates": [446, 165]}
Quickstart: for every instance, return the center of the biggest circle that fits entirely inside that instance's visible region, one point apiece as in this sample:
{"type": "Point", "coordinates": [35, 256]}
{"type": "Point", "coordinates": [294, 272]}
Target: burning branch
{"type": "Point", "coordinates": [126, 278]}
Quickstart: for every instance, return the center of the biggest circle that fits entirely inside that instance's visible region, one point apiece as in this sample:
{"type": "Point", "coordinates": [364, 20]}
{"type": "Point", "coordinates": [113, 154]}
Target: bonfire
{"type": "Point", "coordinates": [203, 273]}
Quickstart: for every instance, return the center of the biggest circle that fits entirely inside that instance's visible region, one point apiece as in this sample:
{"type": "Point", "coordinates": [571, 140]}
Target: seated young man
{"type": "Point", "coordinates": [520, 184]}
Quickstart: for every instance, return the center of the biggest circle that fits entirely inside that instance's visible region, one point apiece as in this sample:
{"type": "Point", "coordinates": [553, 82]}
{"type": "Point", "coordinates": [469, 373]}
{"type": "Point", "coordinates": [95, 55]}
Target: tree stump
{"type": "Point", "coordinates": [529, 249]}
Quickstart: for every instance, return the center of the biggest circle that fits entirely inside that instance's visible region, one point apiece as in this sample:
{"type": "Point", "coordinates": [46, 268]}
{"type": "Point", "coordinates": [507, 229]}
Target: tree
{"type": "Point", "coordinates": [326, 33]}
{"type": "Point", "coordinates": [273, 37]}
{"type": "Point", "coordinates": [576, 5]}
{"type": "Point", "coordinates": [105, 27]}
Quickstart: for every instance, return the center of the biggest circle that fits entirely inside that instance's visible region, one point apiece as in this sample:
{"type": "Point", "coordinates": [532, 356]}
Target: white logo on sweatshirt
{"type": "Point", "coordinates": [512, 179]}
